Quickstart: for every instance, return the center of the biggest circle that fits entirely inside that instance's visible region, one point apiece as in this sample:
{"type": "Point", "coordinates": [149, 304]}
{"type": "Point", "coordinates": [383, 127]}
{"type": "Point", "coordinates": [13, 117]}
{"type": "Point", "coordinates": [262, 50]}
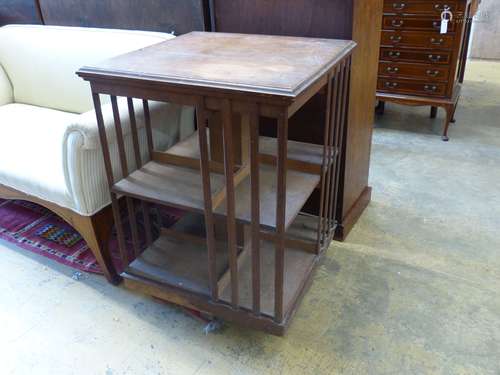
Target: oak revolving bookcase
{"type": "Point", "coordinates": [243, 251]}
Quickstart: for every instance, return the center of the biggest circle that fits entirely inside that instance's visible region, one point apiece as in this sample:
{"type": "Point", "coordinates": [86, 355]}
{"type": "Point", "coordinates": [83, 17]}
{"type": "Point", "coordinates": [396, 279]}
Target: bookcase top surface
{"type": "Point", "coordinates": [274, 65]}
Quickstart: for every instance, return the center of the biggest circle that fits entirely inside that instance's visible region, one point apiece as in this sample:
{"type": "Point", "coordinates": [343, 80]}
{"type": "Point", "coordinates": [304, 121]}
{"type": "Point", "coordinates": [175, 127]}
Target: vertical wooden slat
{"type": "Point", "coordinates": [336, 119]}
{"type": "Point", "coordinates": [279, 264]}
{"type": "Point", "coordinates": [138, 163]}
{"type": "Point", "coordinates": [125, 172]}
{"type": "Point", "coordinates": [201, 120]}
{"type": "Point", "coordinates": [135, 136]}
{"type": "Point", "coordinates": [340, 141]}
{"type": "Point", "coordinates": [329, 184]}
{"type": "Point", "coordinates": [230, 199]}
{"type": "Point", "coordinates": [119, 137]}
{"type": "Point", "coordinates": [109, 175]}
{"type": "Point", "coordinates": [149, 131]}
{"type": "Point", "coordinates": [325, 164]}
{"type": "Point", "coordinates": [255, 208]}
{"type": "Point", "coordinates": [334, 115]}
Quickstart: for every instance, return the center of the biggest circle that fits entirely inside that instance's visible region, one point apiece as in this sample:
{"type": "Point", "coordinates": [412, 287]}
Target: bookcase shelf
{"type": "Point", "coordinates": [182, 187]}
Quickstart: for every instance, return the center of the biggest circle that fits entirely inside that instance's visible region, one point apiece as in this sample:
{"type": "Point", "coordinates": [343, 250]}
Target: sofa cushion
{"type": "Point", "coordinates": [31, 151]}
{"type": "Point", "coordinates": [41, 61]}
{"type": "Point", "coordinates": [56, 156]}
{"type": "Point", "coordinates": [5, 88]}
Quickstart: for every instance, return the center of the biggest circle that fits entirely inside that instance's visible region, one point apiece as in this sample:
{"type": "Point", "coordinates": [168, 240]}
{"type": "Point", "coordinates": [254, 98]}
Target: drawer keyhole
{"type": "Point", "coordinates": [397, 23]}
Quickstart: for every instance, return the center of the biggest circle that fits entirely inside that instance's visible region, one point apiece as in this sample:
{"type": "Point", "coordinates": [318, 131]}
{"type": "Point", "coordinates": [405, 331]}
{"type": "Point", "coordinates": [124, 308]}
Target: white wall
{"type": "Point", "coordinates": [485, 41]}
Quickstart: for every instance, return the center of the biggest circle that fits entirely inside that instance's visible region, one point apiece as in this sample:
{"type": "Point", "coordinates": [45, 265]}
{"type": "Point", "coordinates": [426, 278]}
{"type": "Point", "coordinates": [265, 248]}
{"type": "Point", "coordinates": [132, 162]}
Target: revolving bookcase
{"type": "Point", "coordinates": [243, 251]}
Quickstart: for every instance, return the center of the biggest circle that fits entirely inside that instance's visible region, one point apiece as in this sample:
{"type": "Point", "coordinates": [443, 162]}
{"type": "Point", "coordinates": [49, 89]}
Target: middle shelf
{"type": "Point", "coordinates": [181, 186]}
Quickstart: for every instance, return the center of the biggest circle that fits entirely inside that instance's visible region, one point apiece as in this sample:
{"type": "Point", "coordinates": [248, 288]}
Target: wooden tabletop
{"type": "Point", "coordinates": [275, 65]}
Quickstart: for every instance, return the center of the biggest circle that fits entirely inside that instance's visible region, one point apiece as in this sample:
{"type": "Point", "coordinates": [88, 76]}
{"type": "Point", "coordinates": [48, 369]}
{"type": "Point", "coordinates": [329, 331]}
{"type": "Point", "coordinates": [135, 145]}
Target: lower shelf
{"type": "Point", "coordinates": [177, 263]}
{"type": "Point", "coordinates": [174, 261]}
{"type": "Point", "coordinates": [298, 267]}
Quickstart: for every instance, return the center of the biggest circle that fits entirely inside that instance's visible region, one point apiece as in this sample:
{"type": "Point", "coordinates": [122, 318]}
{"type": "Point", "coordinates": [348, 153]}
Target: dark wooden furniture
{"type": "Point", "coordinates": [243, 252]}
{"type": "Point", "coordinates": [419, 65]}
{"type": "Point", "coordinates": [19, 11]}
{"type": "Point", "coordinates": [359, 20]}
{"type": "Point", "coordinates": [172, 16]}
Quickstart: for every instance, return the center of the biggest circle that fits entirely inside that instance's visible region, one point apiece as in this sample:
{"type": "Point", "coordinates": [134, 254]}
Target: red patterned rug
{"type": "Point", "coordinates": [36, 229]}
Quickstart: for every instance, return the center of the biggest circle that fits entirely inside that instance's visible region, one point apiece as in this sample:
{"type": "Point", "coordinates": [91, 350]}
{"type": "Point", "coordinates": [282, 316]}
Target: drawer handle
{"type": "Point", "coordinates": [430, 88]}
{"type": "Point", "coordinates": [391, 85]}
{"type": "Point", "coordinates": [394, 54]}
{"type": "Point", "coordinates": [435, 58]}
{"type": "Point", "coordinates": [442, 7]}
{"type": "Point", "coordinates": [392, 70]}
{"type": "Point", "coordinates": [436, 24]}
{"type": "Point", "coordinates": [437, 41]}
{"type": "Point", "coordinates": [399, 6]}
{"type": "Point", "coordinates": [432, 73]}
{"type": "Point", "coordinates": [397, 23]}
{"type": "Point", "coordinates": [396, 38]}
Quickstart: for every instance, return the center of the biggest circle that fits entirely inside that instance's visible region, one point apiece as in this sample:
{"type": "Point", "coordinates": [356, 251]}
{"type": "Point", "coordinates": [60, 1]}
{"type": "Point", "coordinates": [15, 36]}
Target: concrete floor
{"type": "Point", "coordinates": [414, 290]}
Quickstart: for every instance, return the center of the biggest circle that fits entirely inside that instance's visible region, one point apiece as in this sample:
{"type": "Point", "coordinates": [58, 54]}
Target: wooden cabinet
{"type": "Point", "coordinates": [420, 65]}
{"type": "Point", "coordinates": [359, 20]}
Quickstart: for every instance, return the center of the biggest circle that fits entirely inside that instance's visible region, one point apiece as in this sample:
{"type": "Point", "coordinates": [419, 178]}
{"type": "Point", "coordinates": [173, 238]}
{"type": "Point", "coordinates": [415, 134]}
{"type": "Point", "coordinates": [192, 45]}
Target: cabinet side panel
{"type": "Point", "coordinates": [367, 22]}
{"type": "Point", "coordinates": [19, 11]}
{"type": "Point", "coordinates": [151, 15]}
{"type": "Point", "coordinates": [310, 18]}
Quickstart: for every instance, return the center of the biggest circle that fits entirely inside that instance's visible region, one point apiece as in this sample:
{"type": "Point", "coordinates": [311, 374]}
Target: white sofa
{"type": "Point", "coordinates": [49, 145]}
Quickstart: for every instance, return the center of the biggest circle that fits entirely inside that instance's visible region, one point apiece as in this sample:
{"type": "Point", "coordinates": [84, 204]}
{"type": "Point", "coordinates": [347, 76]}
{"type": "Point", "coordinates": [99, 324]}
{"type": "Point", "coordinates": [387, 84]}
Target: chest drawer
{"type": "Point", "coordinates": [422, 6]}
{"type": "Point", "coordinates": [390, 22]}
{"type": "Point", "coordinates": [415, 71]}
{"type": "Point", "coordinates": [411, 87]}
{"type": "Point", "coordinates": [417, 39]}
{"type": "Point", "coordinates": [426, 57]}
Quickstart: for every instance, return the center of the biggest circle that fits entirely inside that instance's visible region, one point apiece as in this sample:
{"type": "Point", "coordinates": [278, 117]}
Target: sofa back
{"type": "Point", "coordinates": [41, 61]}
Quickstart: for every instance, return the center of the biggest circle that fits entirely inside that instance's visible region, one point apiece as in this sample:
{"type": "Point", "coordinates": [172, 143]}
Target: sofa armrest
{"type": "Point", "coordinates": [84, 165]}
{"type": "Point", "coordinates": [170, 119]}
{"type": "Point", "coordinates": [6, 95]}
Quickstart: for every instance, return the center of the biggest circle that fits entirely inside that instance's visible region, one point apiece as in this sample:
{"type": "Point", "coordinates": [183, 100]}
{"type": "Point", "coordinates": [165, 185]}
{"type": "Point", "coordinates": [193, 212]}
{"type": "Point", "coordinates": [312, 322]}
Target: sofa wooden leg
{"type": "Point", "coordinates": [96, 231]}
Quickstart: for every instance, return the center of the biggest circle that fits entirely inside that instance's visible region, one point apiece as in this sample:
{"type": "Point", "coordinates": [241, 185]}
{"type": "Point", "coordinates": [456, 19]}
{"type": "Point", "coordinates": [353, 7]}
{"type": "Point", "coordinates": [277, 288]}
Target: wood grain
{"type": "Point", "coordinates": [273, 65]}
{"type": "Point", "coordinates": [153, 15]}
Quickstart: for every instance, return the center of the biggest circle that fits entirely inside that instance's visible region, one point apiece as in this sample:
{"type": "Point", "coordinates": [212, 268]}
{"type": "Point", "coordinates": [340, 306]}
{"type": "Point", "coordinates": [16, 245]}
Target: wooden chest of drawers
{"type": "Point", "coordinates": [418, 64]}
